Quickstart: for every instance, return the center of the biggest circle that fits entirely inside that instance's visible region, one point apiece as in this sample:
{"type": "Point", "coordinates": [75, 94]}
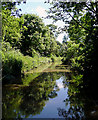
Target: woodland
{"type": "Point", "coordinates": [27, 42]}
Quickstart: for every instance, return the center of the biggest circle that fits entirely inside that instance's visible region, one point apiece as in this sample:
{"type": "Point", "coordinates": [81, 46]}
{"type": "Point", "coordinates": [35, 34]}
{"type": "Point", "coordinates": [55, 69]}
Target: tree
{"type": "Point", "coordinates": [11, 28]}
{"type": "Point", "coordinates": [11, 23]}
{"type": "Point", "coordinates": [53, 29]}
{"type": "Point", "coordinates": [36, 36]}
{"type": "Point", "coordinates": [81, 22]}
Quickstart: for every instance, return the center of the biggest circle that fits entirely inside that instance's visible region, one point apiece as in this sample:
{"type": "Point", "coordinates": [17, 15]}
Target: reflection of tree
{"type": "Point", "coordinates": [82, 107]}
{"type": "Point", "coordinates": [83, 103]}
{"type": "Point", "coordinates": [11, 101]}
{"type": "Point", "coordinates": [75, 111]}
{"type": "Point", "coordinates": [53, 94]}
{"type": "Point", "coordinates": [72, 113]}
{"type": "Point", "coordinates": [29, 100]}
{"type": "Point", "coordinates": [76, 103]}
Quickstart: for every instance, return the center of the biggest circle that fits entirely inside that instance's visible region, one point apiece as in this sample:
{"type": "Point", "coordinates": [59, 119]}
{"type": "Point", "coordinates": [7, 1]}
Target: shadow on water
{"type": "Point", "coordinates": [30, 99]}
{"type": "Point", "coordinates": [83, 101]}
{"type": "Point", "coordinates": [49, 95]}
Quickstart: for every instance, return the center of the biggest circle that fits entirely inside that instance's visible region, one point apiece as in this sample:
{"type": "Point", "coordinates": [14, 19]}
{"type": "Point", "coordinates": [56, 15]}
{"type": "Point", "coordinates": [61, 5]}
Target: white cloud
{"type": "Point", "coordinates": [38, 1]}
{"type": "Point", "coordinates": [32, 10]}
{"type": "Point", "coordinates": [48, 21]}
{"type": "Point", "coordinates": [60, 37]}
{"type": "Point", "coordinates": [60, 23]}
{"type": "Point", "coordinates": [35, 0]}
{"type": "Point", "coordinates": [41, 11]}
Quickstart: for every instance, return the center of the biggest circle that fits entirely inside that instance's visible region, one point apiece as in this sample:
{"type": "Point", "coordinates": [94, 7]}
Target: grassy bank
{"type": "Point", "coordinates": [15, 64]}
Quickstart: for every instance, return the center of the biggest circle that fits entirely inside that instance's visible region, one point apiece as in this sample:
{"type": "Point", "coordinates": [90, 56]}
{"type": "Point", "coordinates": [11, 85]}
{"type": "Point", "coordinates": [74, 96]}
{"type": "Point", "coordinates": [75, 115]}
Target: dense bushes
{"type": "Point", "coordinates": [14, 63]}
{"type": "Point", "coordinates": [81, 24]}
{"type": "Point", "coordinates": [74, 55]}
{"type": "Point", "coordinates": [54, 58]}
{"type": "Point", "coordinates": [26, 42]}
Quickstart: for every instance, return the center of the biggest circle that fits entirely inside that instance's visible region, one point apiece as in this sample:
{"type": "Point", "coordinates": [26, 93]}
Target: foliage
{"type": "Point", "coordinates": [19, 101]}
{"type": "Point", "coordinates": [36, 36]}
{"type": "Point", "coordinates": [74, 55]}
{"type": "Point", "coordinates": [15, 64]}
{"type": "Point", "coordinates": [54, 58]}
{"type": "Point", "coordinates": [11, 28]}
{"type": "Point", "coordinates": [81, 20]}
{"type": "Point", "coordinates": [26, 42]}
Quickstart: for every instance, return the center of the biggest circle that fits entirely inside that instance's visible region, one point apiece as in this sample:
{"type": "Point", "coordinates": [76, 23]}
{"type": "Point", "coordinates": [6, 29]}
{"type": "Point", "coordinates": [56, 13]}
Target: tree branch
{"type": "Point", "coordinates": [78, 22]}
{"type": "Point", "coordinates": [90, 9]}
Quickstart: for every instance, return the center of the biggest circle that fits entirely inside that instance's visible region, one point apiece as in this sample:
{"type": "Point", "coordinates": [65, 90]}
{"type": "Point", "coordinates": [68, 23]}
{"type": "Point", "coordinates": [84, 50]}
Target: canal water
{"type": "Point", "coordinates": [48, 94]}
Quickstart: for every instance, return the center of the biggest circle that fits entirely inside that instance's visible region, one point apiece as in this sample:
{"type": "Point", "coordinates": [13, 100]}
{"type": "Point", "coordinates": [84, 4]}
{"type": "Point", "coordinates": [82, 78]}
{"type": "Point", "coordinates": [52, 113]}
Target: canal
{"type": "Point", "coordinates": [48, 94]}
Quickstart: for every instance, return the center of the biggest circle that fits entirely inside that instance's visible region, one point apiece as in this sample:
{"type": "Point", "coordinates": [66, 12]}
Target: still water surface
{"type": "Point", "coordinates": [48, 95]}
{"type": "Point", "coordinates": [51, 107]}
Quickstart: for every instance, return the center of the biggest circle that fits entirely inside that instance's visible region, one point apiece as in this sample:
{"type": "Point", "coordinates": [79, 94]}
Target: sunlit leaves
{"type": "Point", "coordinates": [37, 36]}
{"type": "Point", "coordinates": [11, 28]}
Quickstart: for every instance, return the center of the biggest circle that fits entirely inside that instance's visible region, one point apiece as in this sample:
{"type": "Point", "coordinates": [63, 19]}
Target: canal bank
{"type": "Point", "coordinates": [48, 95]}
{"type": "Point", "coordinates": [14, 70]}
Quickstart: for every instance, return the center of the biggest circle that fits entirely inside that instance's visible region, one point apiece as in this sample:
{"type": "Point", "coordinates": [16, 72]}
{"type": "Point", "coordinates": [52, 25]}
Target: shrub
{"type": "Point", "coordinates": [15, 63]}
{"type": "Point", "coordinates": [12, 63]}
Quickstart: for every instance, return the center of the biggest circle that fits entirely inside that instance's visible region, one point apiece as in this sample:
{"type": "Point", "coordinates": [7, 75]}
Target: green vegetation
{"type": "Point", "coordinates": [81, 24]}
{"type": "Point", "coordinates": [26, 42]}
{"type": "Point", "coordinates": [29, 100]}
{"type": "Point", "coordinates": [29, 47]}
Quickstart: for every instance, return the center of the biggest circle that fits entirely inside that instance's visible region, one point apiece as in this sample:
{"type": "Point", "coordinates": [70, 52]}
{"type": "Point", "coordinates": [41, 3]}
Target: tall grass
{"type": "Point", "coordinates": [15, 63]}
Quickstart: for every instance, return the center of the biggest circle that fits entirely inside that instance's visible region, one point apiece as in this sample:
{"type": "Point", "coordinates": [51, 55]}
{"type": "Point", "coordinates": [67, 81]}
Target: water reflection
{"type": "Point", "coordinates": [29, 100]}
{"type": "Point", "coordinates": [83, 102]}
{"type": "Point", "coordinates": [49, 95]}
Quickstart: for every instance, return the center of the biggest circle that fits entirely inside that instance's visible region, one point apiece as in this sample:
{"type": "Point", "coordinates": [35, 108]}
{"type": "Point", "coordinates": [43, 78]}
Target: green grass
{"type": "Point", "coordinates": [14, 63]}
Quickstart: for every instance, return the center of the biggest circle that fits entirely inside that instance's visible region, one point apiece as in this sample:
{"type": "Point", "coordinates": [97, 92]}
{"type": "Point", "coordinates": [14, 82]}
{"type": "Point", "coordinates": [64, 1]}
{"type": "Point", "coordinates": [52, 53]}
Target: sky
{"type": "Point", "coordinates": [39, 8]}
